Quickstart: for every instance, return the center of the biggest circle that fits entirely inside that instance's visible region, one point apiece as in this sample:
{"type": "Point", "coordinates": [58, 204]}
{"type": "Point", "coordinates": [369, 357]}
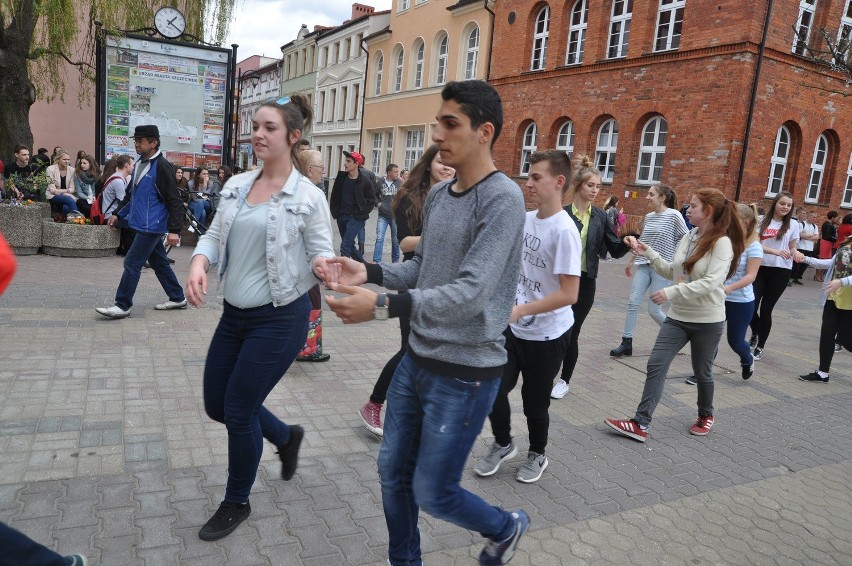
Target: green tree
{"type": "Point", "coordinates": [44, 43]}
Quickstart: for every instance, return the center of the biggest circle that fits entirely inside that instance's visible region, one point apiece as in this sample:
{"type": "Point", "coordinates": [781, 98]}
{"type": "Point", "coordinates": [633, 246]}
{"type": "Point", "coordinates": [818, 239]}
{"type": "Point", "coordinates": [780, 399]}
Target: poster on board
{"type": "Point", "coordinates": [180, 88]}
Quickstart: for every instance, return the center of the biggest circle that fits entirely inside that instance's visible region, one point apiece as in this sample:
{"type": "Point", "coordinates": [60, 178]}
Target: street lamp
{"type": "Point", "coordinates": [254, 77]}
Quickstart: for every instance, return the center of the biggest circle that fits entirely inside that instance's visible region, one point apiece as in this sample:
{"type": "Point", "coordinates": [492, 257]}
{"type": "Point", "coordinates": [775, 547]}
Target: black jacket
{"type": "Point", "coordinates": [365, 195]}
{"type": "Point", "coordinates": [600, 239]}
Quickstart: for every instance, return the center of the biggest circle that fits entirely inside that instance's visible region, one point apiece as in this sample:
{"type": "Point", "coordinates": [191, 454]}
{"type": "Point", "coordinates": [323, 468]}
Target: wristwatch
{"type": "Point", "coordinates": [380, 311]}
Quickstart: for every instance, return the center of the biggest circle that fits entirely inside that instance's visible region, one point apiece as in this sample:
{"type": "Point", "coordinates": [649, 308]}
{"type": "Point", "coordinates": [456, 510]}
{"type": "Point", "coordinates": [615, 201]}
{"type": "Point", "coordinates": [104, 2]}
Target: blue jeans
{"type": "Point", "coordinates": [65, 203]}
{"type": "Point", "coordinates": [250, 352]}
{"type": "Point", "coordinates": [200, 209]}
{"type": "Point", "coordinates": [19, 549]}
{"type": "Point", "coordinates": [349, 229]}
{"type": "Point", "coordinates": [645, 279]}
{"type": "Point", "coordinates": [739, 315]}
{"type": "Point", "coordinates": [381, 228]}
{"type": "Point", "coordinates": [147, 247]}
{"type": "Point", "coordinates": [430, 426]}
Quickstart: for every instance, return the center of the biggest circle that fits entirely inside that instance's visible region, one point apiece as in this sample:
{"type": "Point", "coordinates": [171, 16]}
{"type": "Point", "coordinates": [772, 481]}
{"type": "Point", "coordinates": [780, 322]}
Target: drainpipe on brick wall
{"type": "Point", "coordinates": [490, 40]}
{"type": "Point", "coordinates": [753, 101]}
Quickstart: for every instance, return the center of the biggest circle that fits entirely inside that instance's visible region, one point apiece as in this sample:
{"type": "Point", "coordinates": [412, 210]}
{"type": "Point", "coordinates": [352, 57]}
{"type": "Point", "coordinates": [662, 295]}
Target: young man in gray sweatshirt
{"type": "Point", "coordinates": [461, 286]}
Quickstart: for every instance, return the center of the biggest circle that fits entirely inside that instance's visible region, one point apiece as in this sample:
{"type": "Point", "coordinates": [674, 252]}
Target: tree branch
{"type": "Point", "coordinates": [41, 52]}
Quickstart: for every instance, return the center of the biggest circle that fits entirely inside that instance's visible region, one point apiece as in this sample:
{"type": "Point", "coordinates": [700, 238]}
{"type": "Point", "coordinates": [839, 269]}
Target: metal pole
{"type": "Point", "coordinates": [100, 68]}
{"type": "Point", "coordinates": [229, 104]}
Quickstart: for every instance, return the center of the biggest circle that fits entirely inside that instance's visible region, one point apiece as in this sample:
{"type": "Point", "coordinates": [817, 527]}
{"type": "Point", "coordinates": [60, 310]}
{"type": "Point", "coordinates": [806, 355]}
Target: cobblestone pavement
{"type": "Point", "coordinates": [106, 449]}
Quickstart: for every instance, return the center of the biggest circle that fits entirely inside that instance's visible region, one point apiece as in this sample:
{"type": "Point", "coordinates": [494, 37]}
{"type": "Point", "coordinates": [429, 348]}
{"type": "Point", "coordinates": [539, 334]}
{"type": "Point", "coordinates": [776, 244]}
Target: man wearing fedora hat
{"type": "Point", "coordinates": [152, 208]}
{"type": "Point", "coordinates": [352, 199]}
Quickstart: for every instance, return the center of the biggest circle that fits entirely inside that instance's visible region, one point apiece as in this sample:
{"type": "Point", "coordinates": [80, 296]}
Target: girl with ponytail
{"type": "Point", "coordinates": [705, 257]}
{"type": "Point", "coordinates": [597, 237]}
{"type": "Point", "coordinates": [271, 236]}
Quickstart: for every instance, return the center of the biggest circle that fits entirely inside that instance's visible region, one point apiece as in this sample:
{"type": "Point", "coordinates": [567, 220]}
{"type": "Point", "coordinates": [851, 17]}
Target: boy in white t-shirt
{"type": "Point", "coordinates": [540, 325]}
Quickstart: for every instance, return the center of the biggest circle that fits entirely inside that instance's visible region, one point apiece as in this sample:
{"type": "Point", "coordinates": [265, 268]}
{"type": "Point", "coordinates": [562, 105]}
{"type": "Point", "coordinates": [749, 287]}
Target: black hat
{"type": "Point", "coordinates": [148, 131]}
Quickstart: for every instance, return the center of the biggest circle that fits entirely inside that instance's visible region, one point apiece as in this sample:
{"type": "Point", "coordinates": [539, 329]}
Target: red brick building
{"type": "Point", "coordinates": [662, 90]}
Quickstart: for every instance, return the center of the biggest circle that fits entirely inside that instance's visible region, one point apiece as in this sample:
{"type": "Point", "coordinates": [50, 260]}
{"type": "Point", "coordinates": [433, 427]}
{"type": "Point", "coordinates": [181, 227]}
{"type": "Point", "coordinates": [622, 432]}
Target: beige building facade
{"type": "Point", "coordinates": [427, 44]}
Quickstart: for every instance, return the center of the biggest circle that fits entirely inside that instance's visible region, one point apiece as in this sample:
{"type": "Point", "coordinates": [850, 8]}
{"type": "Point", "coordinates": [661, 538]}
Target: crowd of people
{"type": "Point", "coordinates": [488, 294]}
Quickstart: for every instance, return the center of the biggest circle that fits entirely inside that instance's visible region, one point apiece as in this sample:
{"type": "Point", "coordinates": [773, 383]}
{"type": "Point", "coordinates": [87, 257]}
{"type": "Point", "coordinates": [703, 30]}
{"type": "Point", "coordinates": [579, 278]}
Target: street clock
{"type": "Point", "coordinates": [170, 22]}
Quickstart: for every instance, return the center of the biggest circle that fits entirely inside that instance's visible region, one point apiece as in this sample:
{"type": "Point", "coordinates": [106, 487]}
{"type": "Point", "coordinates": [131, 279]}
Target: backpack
{"type": "Point", "coordinates": [96, 213]}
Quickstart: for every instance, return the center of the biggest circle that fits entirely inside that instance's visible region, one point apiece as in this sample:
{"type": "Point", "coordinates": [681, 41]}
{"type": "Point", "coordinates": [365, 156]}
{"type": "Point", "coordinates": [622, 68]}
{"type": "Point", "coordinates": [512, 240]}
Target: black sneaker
{"type": "Point", "coordinates": [227, 518]}
{"type": "Point", "coordinates": [798, 282]}
{"type": "Point", "coordinates": [690, 380]}
{"type": "Point", "coordinates": [838, 348]}
{"type": "Point", "coordinates": [757, 354]}
{"type": "Point", "coordinates": [748, 371]}
{"type": "Point", "coordinates": [289, 453]}
{"type": "Point", "coordinates": [814, 376]}
{"type": "Point", "coordinates": [752, 341]}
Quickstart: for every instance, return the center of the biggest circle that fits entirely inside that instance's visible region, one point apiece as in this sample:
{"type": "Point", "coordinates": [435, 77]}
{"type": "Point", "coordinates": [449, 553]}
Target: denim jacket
{"type": "Point", "coordinates": [298, 229]}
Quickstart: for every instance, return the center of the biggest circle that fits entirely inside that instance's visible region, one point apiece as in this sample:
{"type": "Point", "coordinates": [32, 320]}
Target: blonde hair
{"type": "Point", "coordinates": [584, 169]}
{"type": "Point", "coordinates": [748, 217]}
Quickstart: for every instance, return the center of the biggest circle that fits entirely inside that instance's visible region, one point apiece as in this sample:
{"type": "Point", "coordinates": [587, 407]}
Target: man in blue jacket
{"type": "Point", "coordinates": [154, 209]}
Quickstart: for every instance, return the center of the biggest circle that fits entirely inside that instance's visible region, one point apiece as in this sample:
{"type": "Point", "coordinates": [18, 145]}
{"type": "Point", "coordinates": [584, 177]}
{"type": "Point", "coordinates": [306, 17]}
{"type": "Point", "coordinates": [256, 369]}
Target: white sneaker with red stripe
{"type": "Point", "coordinates": [628, 428]}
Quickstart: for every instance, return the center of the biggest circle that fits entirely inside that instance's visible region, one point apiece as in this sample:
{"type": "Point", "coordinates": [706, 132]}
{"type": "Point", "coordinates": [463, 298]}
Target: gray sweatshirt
{"type": "Point", "coordinates": [463, 277]}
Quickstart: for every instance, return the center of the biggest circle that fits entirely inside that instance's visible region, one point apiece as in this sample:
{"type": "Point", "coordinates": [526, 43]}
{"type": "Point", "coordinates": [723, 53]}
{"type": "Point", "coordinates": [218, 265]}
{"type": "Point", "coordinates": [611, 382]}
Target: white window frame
{"type": "Point", "coordinates": [804, 23]}
{"type": "Point", "coordinates": [619, 29]}
{"type": "Point", "coordinates": [656, 131]}
{"type": "Point", "coordinates": [540, 33]}
{"type": "Point", "coordinates": [565, 137]}
{"type": "Point", "coordinates": [380, 64]}
{"type": "Point", "coordinates": [389, 146]}
{"type": "Point", "coordinates": [378, 147]}
{"type": "Point", "coordinates": [817, 169]}
{"type": "Point", "coordinates": [443, 59]}
{"type": "Point", "coordinates": [778, 163]}
{"type": "Point", "coordinates": [419, 54]}
{"type": "Point", "coordinates": [471, 53]}
{"type": "Point", "coordinates": [844, 32]}
{"type": "Point", "coordinates": [846, 202]}
{"type": "Point", "coordinates": [529, 144]}
{"type": "Point", "coordinates": [399, 68]}
{"type": "Point", "coordinates": [606, 149]}
{"type": "Point", "coordinates": [413, 147]}
{"type": "Point", "coordinates": [669, 31]}
{"type": "Point", "coordinates": [403, 5]}
{"type": "Point", "coordinates": [579, 23]}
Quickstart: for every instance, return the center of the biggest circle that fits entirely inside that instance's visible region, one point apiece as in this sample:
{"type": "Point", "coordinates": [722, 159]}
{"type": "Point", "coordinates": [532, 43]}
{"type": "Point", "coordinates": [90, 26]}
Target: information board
{"type": "Point", "coordinates": [182, 89]}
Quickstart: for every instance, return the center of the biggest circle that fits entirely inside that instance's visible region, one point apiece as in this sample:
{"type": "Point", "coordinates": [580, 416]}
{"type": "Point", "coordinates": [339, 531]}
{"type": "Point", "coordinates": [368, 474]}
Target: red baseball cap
{"type": "Point", "coordinates": [355, 156]}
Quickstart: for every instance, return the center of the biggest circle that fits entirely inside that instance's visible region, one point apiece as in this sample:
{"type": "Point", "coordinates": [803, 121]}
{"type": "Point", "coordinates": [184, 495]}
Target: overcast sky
{"type": "Point", "coordinates": [261, 27]}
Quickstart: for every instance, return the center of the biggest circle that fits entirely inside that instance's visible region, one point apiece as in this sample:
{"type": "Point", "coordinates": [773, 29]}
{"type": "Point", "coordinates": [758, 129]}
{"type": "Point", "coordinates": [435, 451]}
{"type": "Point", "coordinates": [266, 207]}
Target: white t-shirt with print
{"type": "Point", "coordinates": [807, 229]}
{"type": "Point", "coordinates": [768, 240]}
{"type": "Point", "coordinates": [551, 248]}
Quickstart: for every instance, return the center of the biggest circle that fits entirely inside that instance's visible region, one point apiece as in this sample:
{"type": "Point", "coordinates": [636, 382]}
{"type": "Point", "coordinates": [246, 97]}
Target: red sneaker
{"type": "Point", "coordinates": [702, 426]}
{"type": "Point", "coordinates": [628, 428]}
{"type": "Point", "coordinates": [371, 414]}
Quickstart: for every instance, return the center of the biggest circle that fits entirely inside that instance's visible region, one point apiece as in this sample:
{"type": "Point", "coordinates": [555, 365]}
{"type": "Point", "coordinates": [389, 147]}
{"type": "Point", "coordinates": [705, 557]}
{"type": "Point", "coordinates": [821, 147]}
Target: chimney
{"type": "Point", "coordinates": [361, 10]}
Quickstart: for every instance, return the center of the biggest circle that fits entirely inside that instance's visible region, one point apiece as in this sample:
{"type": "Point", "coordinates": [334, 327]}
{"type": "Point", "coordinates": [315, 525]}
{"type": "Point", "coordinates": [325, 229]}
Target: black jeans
{"type": "Point", "coordinates": [769, 285]}
{"type": "Point", "coordinates": [539, 361]}
{"type": "Point", "coordinates": [585, 300]}
{"type": "Point", "coordinates": [835, 322]}
{"type": "Point", "coordinates": [380, 390]}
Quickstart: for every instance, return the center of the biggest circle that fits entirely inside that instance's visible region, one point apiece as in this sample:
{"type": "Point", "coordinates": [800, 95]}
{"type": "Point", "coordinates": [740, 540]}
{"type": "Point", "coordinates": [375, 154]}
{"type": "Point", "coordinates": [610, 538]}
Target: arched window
{"type": "Point", "coordinates": [565, 138]}
{"type": "Point", "coordinates": [669, 24]}
{"type": "Point", "coordinates": [619, 28]}
{"type": "Point", "coordinates": [803, 26]}
{"type": "Point", "coordinates": [397, 75]}
{"type": "Point", "coordinates": [419, 51]}
{"type": "Point", "coordinates": [817, 169]}
{"type": "Point", "coordinates": [471, 54]}
{"type": "Point", "coordinates": [778, 164]}
{"type": "Point", "coordinates": [530, 145]}
{"type": "Point", "coordinates": [542, 30]}
{"type": "Point", "coordinates": [652, 150]}
{"type": "Point", "coordinates": [380, 63]}
{"type": "Point", "coordinates": [847, 192]}
{"type": "Point", "coordinates": [577, 33]}
{"type": "Point", "coordinates": [606, 148]}
{"type": "Point", "coordinates": [441, 62]}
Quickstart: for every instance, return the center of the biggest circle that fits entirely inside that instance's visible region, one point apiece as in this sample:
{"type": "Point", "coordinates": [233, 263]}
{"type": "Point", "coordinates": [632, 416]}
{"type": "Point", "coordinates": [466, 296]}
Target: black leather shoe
{"type": "Point", "coordinates": [289, 453]}
{"type": "Point", "coordinates": [227, 518]}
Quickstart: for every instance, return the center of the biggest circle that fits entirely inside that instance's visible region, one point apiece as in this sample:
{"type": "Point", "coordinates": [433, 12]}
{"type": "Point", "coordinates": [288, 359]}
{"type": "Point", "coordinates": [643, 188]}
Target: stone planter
{"type": "Point", "coordinates": [78, 240]}
{"type": "Point", "coordinates": [21, 225]}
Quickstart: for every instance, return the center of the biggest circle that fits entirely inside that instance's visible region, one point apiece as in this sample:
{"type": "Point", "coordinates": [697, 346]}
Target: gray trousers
{"type": "Point", "coordinates": [703, 338]}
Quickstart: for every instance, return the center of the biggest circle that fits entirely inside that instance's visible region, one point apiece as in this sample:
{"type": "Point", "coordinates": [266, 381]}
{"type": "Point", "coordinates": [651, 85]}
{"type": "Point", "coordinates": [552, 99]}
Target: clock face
{"type": "Point", "coordinates": [170, 22]}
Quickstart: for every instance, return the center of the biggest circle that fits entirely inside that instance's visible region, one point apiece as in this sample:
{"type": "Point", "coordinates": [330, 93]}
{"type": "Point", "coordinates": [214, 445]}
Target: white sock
{"type": "Point", "coordinates": [822, 374]}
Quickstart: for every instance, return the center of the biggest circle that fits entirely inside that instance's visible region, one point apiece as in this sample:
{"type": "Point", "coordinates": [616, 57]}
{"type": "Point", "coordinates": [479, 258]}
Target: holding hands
{"type": "Point", "coordinates": [343, 274]}
{"type": "Point", "coordinates": [798, 257]}
{"type": "Point", "coordinates": [636, 246]}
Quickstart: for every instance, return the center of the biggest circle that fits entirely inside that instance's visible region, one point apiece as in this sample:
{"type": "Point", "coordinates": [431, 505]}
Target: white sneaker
{"type": "Point", "coordinates": [171, 305]}
{"type": "Point", "coordinates": [114, 311]}
{"type": "Point", "coordinates": [560, 389]}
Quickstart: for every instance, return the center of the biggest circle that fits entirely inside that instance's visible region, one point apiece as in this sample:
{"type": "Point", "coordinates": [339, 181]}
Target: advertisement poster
{"type": "Point", "coordinates": [182, 89]}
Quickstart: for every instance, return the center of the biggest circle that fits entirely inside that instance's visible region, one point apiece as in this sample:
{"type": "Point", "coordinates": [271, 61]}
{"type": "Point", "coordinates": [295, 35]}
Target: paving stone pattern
{"type": "Point", "coordinates": [106, 449]}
